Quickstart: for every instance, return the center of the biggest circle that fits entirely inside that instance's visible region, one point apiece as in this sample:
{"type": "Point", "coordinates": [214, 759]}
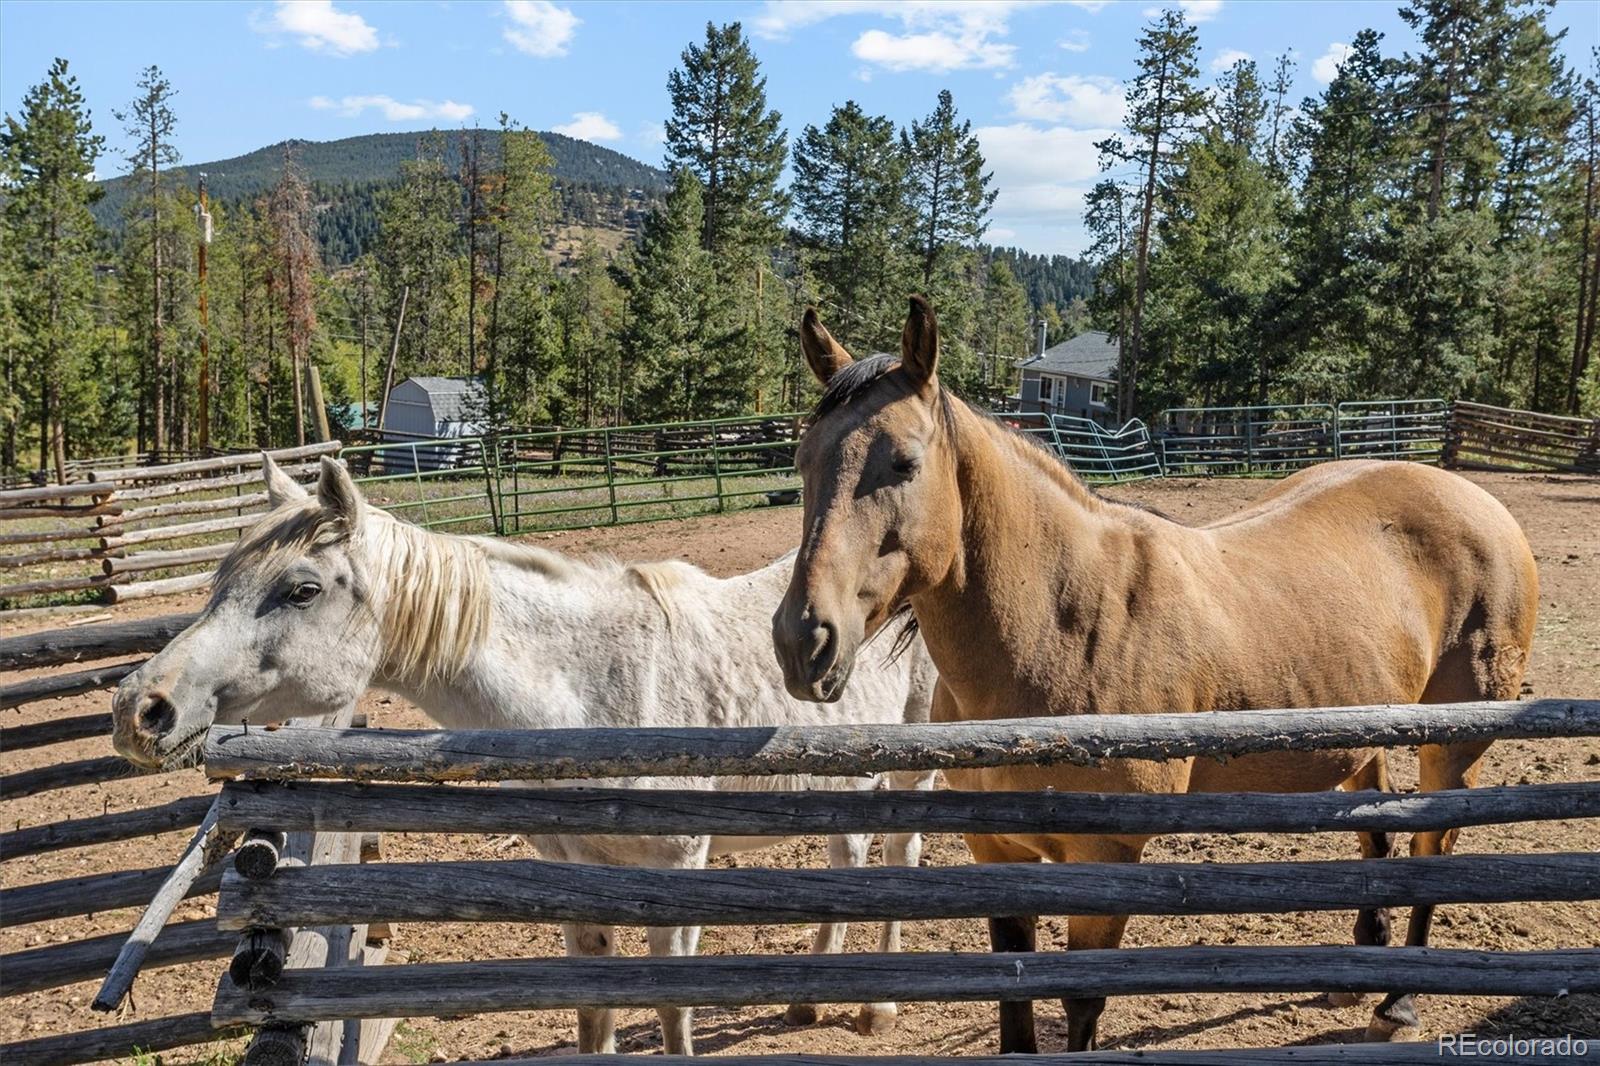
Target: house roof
{"type": "Point", "coordinates": [1088, 355]}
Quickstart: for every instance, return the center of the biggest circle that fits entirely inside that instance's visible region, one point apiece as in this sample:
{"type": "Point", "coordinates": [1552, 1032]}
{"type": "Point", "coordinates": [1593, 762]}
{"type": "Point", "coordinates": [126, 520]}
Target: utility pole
{"type": "Point", "coordinates": [365, 294]}
{"type": "Point", "coordinates": [394, 353]}
{"type": "Point", "coordinates": [202, 209]}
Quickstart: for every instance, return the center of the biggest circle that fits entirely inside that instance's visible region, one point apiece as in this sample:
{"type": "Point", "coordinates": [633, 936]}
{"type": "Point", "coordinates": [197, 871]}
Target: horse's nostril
{"type": "Point", "coordinates": [157, 716]}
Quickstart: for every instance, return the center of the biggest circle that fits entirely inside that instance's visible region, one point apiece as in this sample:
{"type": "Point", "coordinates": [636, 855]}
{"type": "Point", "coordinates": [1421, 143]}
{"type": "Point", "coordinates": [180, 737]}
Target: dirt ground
{"type": "Point", "coordinates": [1562, 518]}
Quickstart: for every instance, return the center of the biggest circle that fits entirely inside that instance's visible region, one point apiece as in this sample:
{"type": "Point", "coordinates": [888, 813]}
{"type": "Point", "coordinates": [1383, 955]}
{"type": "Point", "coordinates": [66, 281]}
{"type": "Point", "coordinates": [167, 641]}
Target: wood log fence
{"type": "Point", "coordinates": [154, 942]}
{"type": "Point", "coordinates": [357, 781]}
{"type": "Point", "coordinates": [1481, 437]}
{"type": "Point", "coordinates": [121, 526]}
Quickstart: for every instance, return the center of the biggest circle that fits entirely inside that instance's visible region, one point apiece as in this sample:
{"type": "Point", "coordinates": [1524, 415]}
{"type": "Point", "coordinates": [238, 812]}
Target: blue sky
{"type": "Point", "coordinates": [1040, 81]}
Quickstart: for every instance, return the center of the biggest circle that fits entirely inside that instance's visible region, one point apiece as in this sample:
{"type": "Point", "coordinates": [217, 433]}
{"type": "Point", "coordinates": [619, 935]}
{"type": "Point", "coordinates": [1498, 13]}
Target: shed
{"type": "Point", "coordinates": [430, 408]}
{"type": "Point", "coordinates": [1074, 377]}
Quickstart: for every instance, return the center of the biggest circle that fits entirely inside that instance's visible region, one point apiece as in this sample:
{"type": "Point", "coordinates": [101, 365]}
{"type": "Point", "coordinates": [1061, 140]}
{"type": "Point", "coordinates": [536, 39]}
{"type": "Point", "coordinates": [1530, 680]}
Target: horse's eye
{"type": "Point", "coordinates": [906, 466]}
{"type": "Point", "coordinates": [302, 594]}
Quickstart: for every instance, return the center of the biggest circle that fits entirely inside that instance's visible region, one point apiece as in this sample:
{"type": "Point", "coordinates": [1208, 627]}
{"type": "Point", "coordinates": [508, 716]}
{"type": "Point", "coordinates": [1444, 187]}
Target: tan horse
{"type": "Point", "coordinates": [1348, 583]}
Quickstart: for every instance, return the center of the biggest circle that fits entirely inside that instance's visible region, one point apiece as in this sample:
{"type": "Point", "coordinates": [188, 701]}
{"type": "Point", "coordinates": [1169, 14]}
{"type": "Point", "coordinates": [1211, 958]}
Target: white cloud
{"type": "Point", "coordinates": [590, 126]}
{"type": "Point", "coordinates": [540, 28]}
{"type": "Point", "coordinates": [1025, 155]}
{"type": "Point", "coordinates": [1194, 10]}
{"type": "Point", "coordinates": [937, 36]}
{"type": "Point", "coordinates": [1093, 7]}
{"type": "Point", "coordinates": [1080, 100]}
{"type": "Point", "coordinates": [319, 26]}
{"type": "Point", "coordinates": [1326, 66]}
{"type": "Point", "coordinates": [779, 17]}
{"type": "Point", "coordinates": [1075, 41]}
{"type": "Point", "coordinates": [1043, 173]}
{"type": "Point", "coordinates": [936, 52]}
{"type": "Point", "coordinates": [394, 110]}
{"type": "Point", "coordinates": [652, 133]}
{"type": "Point", "coordinates": [1227, 58]}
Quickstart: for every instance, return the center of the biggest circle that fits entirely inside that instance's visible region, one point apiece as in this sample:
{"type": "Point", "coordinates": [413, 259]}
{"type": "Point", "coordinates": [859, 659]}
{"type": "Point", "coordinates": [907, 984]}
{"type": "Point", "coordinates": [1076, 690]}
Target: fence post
{"type": "Point", "coordinates": [716, 470]}
{"type": "Point", "coordinates": [489, 461]}
{"type": "Point", "coordinates": [1338, 431]}
{"type": "Point", "coordinates": [611, 477]}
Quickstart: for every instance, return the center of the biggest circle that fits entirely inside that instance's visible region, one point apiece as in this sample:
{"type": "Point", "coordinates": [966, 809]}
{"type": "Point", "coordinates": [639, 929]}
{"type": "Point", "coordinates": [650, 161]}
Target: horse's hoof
{"type": "Point", "coordinates": [876, 1019]}
{"type": "Point", "coordinates": [1384, 1031]}
{"type": "Point", "coordinates": [800, 1014]}
{"type": "Point", "coordinates": [1345, 999]}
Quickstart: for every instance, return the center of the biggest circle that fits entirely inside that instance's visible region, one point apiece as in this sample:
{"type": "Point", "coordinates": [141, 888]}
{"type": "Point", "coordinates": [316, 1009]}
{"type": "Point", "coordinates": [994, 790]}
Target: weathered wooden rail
{"type": "Point", "coordinates": [547, 754]}
{"type": "Point", "coordinates": [153, 942]}
{"type": "Point", "coordinates": [354, 781]}
{"type": "Point", "coordinates": [123, 523]}
{"type": "Point", "coordinates": [1481, 437]}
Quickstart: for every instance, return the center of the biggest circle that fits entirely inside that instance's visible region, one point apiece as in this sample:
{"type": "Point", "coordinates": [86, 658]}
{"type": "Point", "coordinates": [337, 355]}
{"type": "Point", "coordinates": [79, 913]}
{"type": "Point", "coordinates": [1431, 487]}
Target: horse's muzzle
{"type": "Point", "coordinates": [143, 716]}
{"type": "Point", "coordinates": [815, 663]}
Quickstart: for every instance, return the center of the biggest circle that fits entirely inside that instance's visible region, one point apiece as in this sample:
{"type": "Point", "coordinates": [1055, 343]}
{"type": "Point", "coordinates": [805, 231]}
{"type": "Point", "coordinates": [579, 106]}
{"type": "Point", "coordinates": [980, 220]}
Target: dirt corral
{"type": "Point", "coordinates": [1561, 517]}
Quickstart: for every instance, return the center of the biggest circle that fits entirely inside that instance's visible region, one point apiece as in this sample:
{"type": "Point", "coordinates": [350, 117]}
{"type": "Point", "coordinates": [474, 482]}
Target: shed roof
{"type": "Point", "coordinates": [451, 399]}
{"type": "Point", "coordinates": [1088, 355]}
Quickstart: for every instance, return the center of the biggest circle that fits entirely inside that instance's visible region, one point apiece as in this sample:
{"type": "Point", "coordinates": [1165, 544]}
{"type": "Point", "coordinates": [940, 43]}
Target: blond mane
{"type": "Point", "coordinates": [430, 593]}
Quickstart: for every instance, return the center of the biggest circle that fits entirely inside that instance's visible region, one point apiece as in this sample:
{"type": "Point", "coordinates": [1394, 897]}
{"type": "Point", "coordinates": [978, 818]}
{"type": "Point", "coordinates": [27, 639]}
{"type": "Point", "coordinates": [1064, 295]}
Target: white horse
{"type": "Point", "coordinates": [326, 595]}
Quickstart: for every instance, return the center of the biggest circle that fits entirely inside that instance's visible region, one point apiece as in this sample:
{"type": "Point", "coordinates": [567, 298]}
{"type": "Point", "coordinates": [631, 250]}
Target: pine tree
{"type": "Point", "coordinates": [1162, 106]}
{"type": "Point", "coordinates": [1219, 257]}
{"type": "Point", "coordinates": [523, 369]}
{"type": "Point", "coordinates": [589, 308]}
{"type": "Point", "coordinates": [11, 335]}
{"type": "Point", "coordinates": [1582, 229]}
{"type": "Point", "coordinates": [1341, 238]}
{"type": "Point", "coordinates": [49, 155]}
{"type": "Point", "coordinates": [419, 253]}
{"type": "Point", "coordinates": [850, 196]}
{"type": "Point", "coordinates": [721, 130]}
{"type": "Point", "coordinates": [679, 347]}
{"type": "Point", "coordinates": [1006, 330]}
{"type": "Point", "coordinates": [150, 126]}
{"type": "Point", "coordinates": [1109, 222]}
{"type": "Point", "coordinates": [950, 192]}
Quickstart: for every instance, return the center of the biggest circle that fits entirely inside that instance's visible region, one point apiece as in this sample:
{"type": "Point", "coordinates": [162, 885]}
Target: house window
{"type": "Point", "coordinates": [1097, 394]}
{"type": "Point", "coordinates": [1044, 389]}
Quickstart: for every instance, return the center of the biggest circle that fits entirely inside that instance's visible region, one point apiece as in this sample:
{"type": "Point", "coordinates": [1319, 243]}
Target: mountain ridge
{"type": "Point", "coordinates": [356, 166]}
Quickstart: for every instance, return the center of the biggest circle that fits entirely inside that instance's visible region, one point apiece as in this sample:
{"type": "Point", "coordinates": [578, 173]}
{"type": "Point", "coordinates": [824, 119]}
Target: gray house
{"type": "Point", "coordinates": [1074, 377]}
{"type": "Point", "coordinates": [428, 408]}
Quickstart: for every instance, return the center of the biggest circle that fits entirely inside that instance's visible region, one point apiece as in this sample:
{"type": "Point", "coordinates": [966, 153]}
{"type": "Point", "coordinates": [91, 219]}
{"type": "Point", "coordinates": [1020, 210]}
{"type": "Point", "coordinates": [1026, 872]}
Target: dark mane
{"type": "Point", "coordinates": [852, 381]}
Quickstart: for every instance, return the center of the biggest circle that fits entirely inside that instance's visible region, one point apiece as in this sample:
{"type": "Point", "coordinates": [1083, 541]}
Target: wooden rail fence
{"type": "Point", "coordinates": [153, 943]}
{"type": "Point", "coordinates": [110, 532]}
{"type": "Point", "coordinates": [1481, 437]}
{"type": "Point", "coordinates": [356, 781]}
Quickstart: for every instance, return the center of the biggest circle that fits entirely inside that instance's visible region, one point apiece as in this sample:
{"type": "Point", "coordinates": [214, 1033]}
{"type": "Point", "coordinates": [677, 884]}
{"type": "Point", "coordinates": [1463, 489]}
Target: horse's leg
{"type": "Point", "coordinates": [899, 849]}
{"type": "Point", "coordinates": [1372, 924]}
{"type": "Point", "coordinates": [1440, 766]}
{"type": "Point", "coordinates": [677, 1035]}
{"type": "Point", "coordinates": [596, 1025]}
{"type": "Point", "coordinates": [843, 851]}
{"type": "Point", "coordinates": [1010, 933]}
{"type": "Point", "coordinates": [1093, 931]}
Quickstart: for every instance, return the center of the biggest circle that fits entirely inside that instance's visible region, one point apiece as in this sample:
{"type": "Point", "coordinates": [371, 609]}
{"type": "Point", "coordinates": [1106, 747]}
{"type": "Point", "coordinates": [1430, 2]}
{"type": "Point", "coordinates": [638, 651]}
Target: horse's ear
{"type": "Point", "coordinates": [824, 355]}
{"type": "Point", "coordinates": [919, 341]}
{"type": "Point", "coordinates": [338, 494]}
{"type": "Point", "coordinates": [281, 488]}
